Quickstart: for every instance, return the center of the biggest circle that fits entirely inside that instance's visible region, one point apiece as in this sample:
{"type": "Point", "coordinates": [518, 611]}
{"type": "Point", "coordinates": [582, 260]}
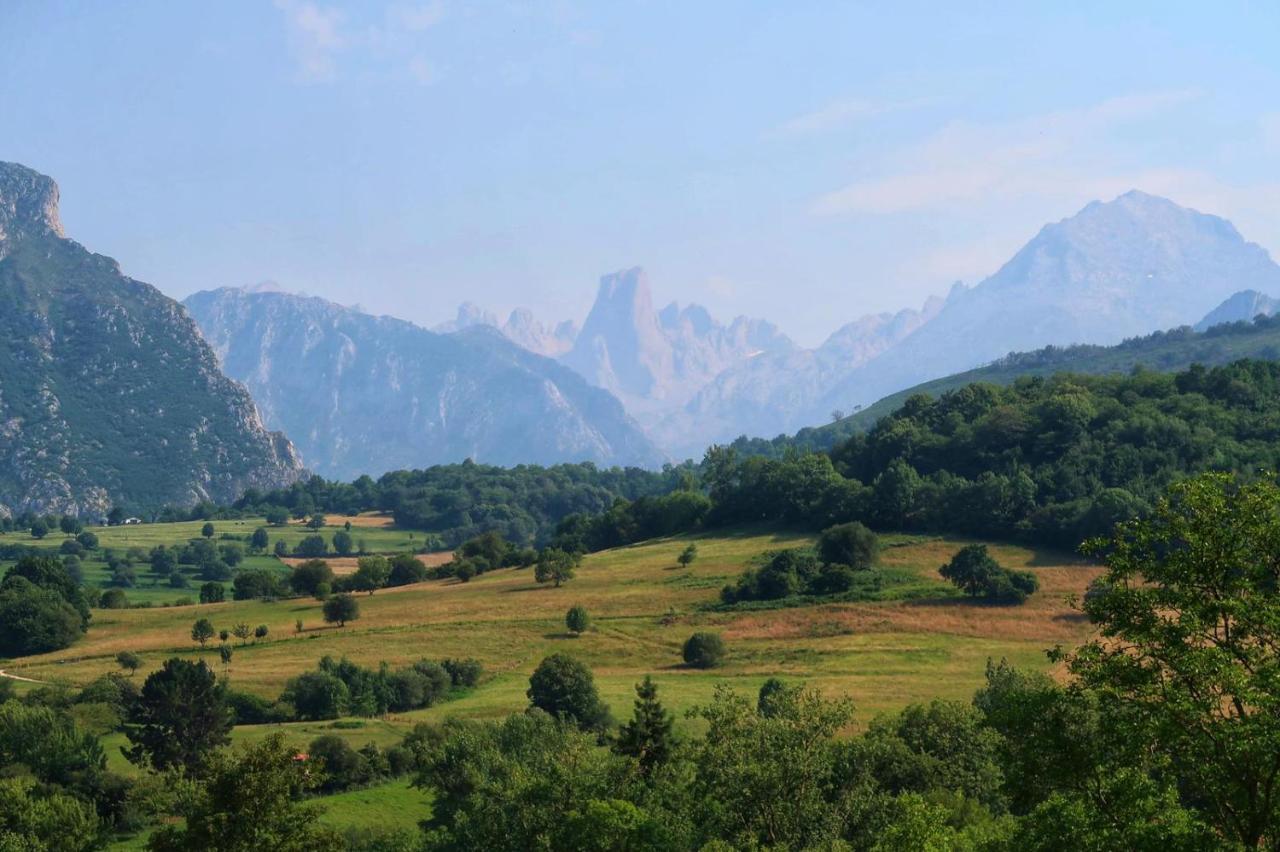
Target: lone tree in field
{"type": "Point", "coordinates": [555, 566]}
{"type": "Point", "coordinates": [340, 609]}
{"type": "Point", "coordinates": [242, 632]}
{"type": "Point", "coordinates": [704, 650]}
{"type": "Point", "coordinates": [259, 540]}
{"type": "Point", "coordinates": [224, 653]}
{"type": "Point", "coordinates": [687, 556]}
{"type": "Point", "coordinates": [202, 631]}
{"type": "Point", "coordinates": [129, 661]}
{"type": "Point", "coordinates": [260, 632]}
{"type": "Point", "coordinates": [974, 571]}
{"type": "Point", "coordinates": [207, 530]}
{"type": "Point", "coordinates": [180, 718]}
{"type": "Point", "coordinates": [565, 688]}
{"type": "Point", "coordinates": [648, 737]}
{"type": "Point", "coordinates": [577, 620]}
{"type": "Point", "coordinates": [372, 573]}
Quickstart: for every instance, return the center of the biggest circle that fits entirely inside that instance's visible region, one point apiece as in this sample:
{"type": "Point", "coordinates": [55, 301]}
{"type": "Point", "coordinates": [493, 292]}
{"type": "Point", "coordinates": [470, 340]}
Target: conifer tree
{"type": "Point", "coordinates": [648, 736]}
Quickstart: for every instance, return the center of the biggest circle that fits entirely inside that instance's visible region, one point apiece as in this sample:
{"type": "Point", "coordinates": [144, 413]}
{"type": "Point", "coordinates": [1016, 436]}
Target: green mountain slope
{"type": "Point", "coordinates": [1163, 351]}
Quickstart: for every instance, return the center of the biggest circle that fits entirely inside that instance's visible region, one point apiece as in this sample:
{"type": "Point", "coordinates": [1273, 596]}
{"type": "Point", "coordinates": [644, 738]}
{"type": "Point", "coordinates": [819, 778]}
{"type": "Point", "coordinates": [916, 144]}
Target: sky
{"type": "Point", "coordinates": [804, 162]}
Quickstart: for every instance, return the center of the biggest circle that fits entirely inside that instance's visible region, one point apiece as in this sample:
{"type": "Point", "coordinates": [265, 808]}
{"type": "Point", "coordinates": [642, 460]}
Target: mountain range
{"type": "Point", "coordinates": [108, 394]}
{"type": "Point", "coordinates": [364, 395]}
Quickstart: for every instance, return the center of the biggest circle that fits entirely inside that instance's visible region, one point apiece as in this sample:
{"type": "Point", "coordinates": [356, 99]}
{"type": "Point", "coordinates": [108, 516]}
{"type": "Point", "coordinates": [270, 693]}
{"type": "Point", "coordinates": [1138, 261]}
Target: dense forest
{"type": "Point", "coordinates": [1044, 460]}
{"type": "Point", "coordinates": [460, 501]}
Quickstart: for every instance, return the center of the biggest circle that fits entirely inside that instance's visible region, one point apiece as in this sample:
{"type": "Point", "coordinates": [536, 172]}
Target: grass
{"type": "Point", "coordinates": [917, 642]}
{"type": "Point", "coordinates": [372, 534]}
{"type": "Point", "coordinates": [884, 654]}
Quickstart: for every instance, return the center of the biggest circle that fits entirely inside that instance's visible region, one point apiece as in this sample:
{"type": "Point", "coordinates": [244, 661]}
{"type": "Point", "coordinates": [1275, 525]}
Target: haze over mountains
{"type": "Point", "coordinates": [1114, 270]}
{"type": "Point", "coordinates": [365, 395]}
{"type": "Point", "coordinates": [108, 394]}
{"type": "Point", "coordinates": [102, 376]}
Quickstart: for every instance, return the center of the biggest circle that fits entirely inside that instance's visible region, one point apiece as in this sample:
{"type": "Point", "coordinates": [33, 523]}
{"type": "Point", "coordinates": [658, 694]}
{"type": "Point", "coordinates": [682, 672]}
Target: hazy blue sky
{"type": "Point", "coordinates": [807, 162]}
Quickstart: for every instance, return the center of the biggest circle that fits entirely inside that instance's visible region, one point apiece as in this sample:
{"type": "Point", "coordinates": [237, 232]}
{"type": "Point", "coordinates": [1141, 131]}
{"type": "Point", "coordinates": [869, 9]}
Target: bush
{"type": "Point", "coordinates": [255, 583]}
{"type": "Point", "coordinates": [463, 672]}
{"type": "Point", "coordinates": [341, 609]}
{"type": "Point", "coordinates": [250, 709]}
{"type": "Point", "coordinates": [704, 650]}
{"type": "Point", "coordinates": [849, 544]}
{"type": "Point", "coordinates": [564, 688]}
{"type": "Point", "coordinates": [88, 540]}
{"type": "Point", "coordinates": [312, 546]}
{"type": "Point", "coordinates": [113, 599]}
{"type": "Point", "coordinates": [317, 695]}
{"type": "Point", "coordinates": [406, 570]}
{"type": "Point", "coordinates": [342, 543]}
{"type": "Point", "coordinates": [344, 767]}
{"type": "Point", "coordinates": [975, 572]}
{"type": "Point", "coordinates": [34, 620]}
{"type": "Point", "coordinates": [577, 619]}
{"type": "Point", "coordinates": [308, 576]}
{"type": "Point", "coordinates": [212, 593]}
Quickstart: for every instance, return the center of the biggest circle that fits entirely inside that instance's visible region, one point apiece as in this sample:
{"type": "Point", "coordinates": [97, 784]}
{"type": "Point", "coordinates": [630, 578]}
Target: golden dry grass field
{"type": "Point", "coordinates": [883, 655]}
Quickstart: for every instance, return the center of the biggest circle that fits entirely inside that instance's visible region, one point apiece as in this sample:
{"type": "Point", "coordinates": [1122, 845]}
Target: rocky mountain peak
{"type": "Point", "coordinates": [28, 202]}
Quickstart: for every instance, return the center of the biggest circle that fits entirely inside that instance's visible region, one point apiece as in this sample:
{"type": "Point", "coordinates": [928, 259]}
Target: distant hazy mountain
{"type": "Point", "coordinates": [108, 395]}
{"type": "Point", "coordinates": [1241, 307]}
{"type": "Point", "coordinates": [1114, 270]}
{"type": "Point", "coordinates": [776, 392]}
{"type": "Point", "coordinates": [655, 362]}
{"type": "Point", "coordinates": [364, 394]}
{"type": "Point", "coordinates": [521, 327]}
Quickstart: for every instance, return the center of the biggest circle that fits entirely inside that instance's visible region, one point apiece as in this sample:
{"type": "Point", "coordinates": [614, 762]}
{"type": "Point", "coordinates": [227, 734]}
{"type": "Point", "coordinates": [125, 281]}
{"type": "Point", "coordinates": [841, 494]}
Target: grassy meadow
{"type": "Point", "coordinates": [883, 654]}
{"type": "Point", "coordinates": [921, 641]}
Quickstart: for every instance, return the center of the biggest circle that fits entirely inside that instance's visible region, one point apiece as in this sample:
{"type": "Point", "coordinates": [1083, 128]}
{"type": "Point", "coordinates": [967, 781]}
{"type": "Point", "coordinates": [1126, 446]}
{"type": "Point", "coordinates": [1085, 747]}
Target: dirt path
{"type": "Point", "coordinates": [4, 673]}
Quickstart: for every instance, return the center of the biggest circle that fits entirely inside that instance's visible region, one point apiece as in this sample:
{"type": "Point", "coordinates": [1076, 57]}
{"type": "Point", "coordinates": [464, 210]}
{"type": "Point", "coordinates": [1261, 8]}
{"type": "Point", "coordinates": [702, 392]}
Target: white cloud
{"type": "Point", "coordinates": [315, 36]}
{"type": "Point", "coordinates": [965, 161]}
{"type": "Point", "coordinates": [843, 112]}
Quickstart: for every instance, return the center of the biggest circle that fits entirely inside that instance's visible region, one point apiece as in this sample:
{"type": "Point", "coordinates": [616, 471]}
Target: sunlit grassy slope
{"type": "Point", "coordinates": [883, 654]}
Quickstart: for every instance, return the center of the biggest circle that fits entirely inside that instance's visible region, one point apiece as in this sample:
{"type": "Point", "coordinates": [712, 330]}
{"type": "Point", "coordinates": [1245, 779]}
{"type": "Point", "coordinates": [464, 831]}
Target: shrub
{"type": "Point", "coordinates": [317, 695]}
{"type": "Point", "coordinates": [34, 620]}
{"type": "Point", "coordinates": [849, 544]}
{"type": "Point", "coordinates": [312, 546]}
{"type": "Point", "coordinates": [212, 593]}
{"type": "Point", "coordinates": [565, 688]}
{"type": "Point", "coordinates": [577, 619]}
{"type": "Point", "coordinates": [307, 577]}
{"type": "Point", "coordinates": [406, 570]}
{"type": "Point", "coordinates": [342, 543]}
{"type": "Point", "coordinates": [463, 672]}
{"type": "Point", "coordinates": [704, 650]}
{"type": "Point", "coordinates": [250, 709]}
{"type": "Point", "coordinates": [113, 599]}
{"type": "Point", "coordinates": [341, 609]}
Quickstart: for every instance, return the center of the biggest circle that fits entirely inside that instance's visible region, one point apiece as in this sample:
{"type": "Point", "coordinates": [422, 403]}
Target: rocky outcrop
{"type": "Point", "coordinates": [108, 394]}
{"type": "Point", "coordinates": [1240, 307]}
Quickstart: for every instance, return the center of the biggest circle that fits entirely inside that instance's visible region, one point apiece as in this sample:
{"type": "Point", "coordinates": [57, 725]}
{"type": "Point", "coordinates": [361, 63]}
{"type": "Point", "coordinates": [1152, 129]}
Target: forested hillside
{"type": "Point", "coordinates": [1047, 460]}
{"type": "Point", "coordinates": [1163, 351]}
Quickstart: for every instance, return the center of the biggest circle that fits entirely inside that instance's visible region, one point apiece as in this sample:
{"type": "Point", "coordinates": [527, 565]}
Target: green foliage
{"type": "Point", "coordinates": [977, 574]}
{"type": "Point", "coordinates": [704, 650]}
{"type": "Point", "coordinates": [255, 583]}
{"type": "Point", "coordinates": [463, 673]}
{"type": "Point", "coordinates": [564, 687]}
{"type": "Point", "coordinates": [343, 544]}
{"type": "Point", "coordinates": [180, 719]}
{"type": "Point", "coordinates": [212, 593]}
{"type": "Point", "coordinates": [249, 803]}
{"type": "Point", "coordinates": [312, 546]}
{"type": "Point", "coordinates": [849, 544]}
{"type": "Point", "coordinates": [686, 557]}
{"type": "Point", "coordinates": [1189, 630]}
{"type": "Point", "coordinates": [48, 744]}
{"type": "Point", "coordinates": [406, 570]}
{"type": "Point", "coordinates": [577, 620]}
{"type": "Point", "coordinates": [34, 620]}
{"type": "Point", "coordinates": [372, 573]}
{"type": "Point", "coordinates": [341, 609]}
{"type": "Point", "coordinates": [129, 661]}
{"type": "Point", "coordinates": [202, 631]}
{"type": "Point", "coordinates": [648, 737]}
{"type": "Point", "coordinates": [207, 530]}
{"type": "Point", "coordinates": [36, 820]}
{"type": "Point", "coordinates": [556, 566]}
{"type": "Point", "coordinates": [259, 540]}
{"type": "Point", "coordinates": [307, 577]}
